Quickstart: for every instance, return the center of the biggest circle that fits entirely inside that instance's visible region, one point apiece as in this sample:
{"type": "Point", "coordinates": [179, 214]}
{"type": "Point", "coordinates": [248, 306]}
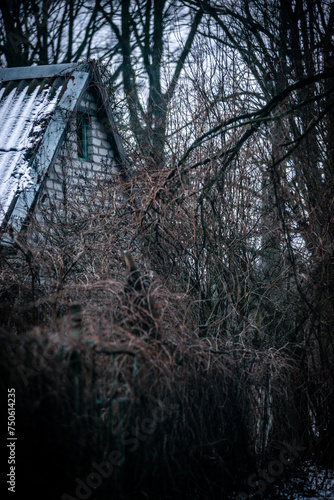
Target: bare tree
{"type": "Point", "coordinates": [151, 60]}
{"type": "Point", "coordinates": [282, 45]}
{"type": "Point", "coordinates": [47, 31]}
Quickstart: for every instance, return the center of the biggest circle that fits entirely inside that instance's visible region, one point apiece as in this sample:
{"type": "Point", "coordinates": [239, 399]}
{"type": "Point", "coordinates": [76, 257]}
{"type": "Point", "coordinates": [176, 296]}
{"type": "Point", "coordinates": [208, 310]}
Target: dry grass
{"type": "Point", "coordinates": [181, 412]}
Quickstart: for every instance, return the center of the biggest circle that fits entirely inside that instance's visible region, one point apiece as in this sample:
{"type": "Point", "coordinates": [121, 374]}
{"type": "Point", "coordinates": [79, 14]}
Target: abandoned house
{"type": "Point", "coordinates": [57, 137]}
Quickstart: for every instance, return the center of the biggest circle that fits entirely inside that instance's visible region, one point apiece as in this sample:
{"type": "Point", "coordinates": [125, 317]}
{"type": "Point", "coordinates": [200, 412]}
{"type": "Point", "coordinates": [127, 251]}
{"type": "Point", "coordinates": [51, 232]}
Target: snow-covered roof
{"type": "Point", "coordinates": [23, 113]}
{"type": "Point", "coordinates": [35, 103]}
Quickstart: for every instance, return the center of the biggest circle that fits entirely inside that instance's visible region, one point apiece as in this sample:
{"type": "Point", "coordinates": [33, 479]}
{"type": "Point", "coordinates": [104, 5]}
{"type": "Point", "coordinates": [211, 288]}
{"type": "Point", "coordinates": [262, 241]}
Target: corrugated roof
{"type": "Point", "coordinates": [29, 96]}
{"type": "Point", "coordinates": [24, 111]}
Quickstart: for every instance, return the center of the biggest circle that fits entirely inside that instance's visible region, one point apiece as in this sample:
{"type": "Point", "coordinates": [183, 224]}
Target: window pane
{"type": "Point", "coordinates": [82, 136]}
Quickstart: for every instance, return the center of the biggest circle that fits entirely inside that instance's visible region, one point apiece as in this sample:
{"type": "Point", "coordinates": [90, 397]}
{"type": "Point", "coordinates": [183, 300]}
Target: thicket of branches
{"type": "Point", "coordinates": [227, 114]}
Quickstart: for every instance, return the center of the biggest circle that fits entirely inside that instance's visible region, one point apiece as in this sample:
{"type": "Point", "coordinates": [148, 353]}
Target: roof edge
{"type": "Point", "coordinates": [31, 72]}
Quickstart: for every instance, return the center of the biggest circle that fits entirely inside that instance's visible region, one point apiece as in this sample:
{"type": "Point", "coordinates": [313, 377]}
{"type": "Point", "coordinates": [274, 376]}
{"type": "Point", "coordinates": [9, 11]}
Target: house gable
{"type": "Point", "coordinates": [71, 175]}
{"type": "Point", "coordinates": [56, 166]}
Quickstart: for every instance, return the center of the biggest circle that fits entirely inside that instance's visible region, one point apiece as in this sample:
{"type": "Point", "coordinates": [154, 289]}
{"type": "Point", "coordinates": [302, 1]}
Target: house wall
{"type": "Point", "coordinates": [77, 203]}
{"type": "Point", "coordinates": [71, 176]}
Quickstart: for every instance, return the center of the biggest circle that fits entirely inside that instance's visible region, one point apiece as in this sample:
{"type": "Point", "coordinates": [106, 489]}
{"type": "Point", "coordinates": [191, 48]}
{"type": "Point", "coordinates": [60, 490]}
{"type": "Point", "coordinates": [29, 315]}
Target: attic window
{"type": "Point", "coordinates": [82, 136]}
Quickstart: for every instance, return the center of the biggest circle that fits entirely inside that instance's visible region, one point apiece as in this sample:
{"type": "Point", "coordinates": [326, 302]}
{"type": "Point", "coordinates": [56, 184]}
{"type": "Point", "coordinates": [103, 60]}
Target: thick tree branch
{"type": "Point", "coordinates": [184, 55]}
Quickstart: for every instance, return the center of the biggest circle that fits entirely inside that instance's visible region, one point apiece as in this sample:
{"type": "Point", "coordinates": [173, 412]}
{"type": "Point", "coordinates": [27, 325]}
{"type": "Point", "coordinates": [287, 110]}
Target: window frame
{"type": "Point", "coordinates": [82, 135]}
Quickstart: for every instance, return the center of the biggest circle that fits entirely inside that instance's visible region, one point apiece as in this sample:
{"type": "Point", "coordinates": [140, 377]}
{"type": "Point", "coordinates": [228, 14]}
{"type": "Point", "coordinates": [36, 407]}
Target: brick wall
{"type": "Point", "coordinates": [72, 177]}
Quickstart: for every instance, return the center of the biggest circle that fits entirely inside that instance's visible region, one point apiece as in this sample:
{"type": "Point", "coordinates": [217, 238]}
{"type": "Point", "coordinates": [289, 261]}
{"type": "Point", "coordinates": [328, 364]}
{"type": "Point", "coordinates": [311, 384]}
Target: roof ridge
{"type": "Point", "coordinates": [32, 72]}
